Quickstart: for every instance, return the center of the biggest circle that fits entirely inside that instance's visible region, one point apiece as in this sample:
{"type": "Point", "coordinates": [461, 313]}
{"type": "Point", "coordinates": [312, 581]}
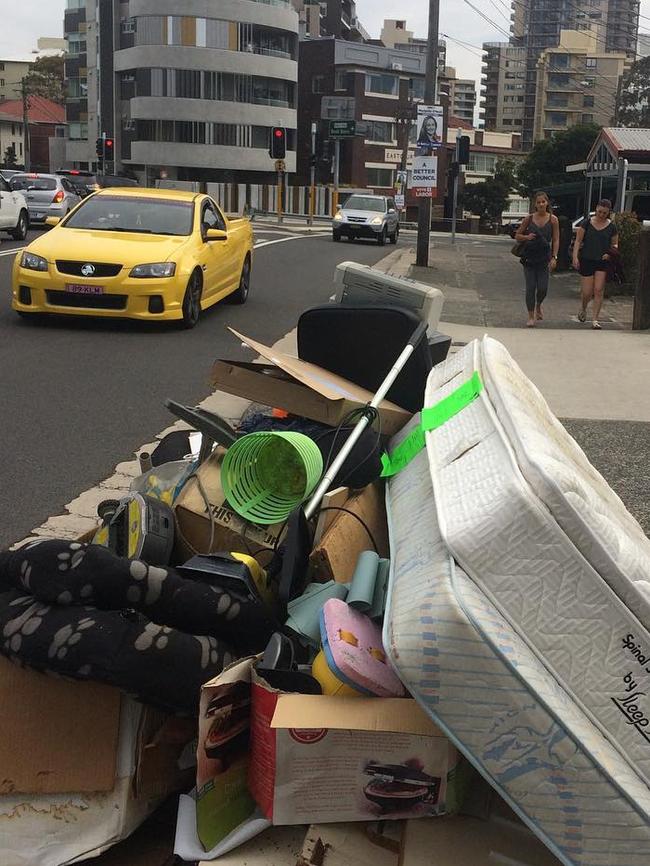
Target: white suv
{"type": "Point", "coordinates": [14, 213]}
{"type": "Point", "coordinates": [367, 216]}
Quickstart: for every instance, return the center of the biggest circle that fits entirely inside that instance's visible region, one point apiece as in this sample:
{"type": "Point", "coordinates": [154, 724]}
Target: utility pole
{"type": "Point", "coordinates": [456, 170]}
{"type": "Point", "coordinates": [312, 186]}
{"type": "Point", "coordinates": [26, 146]}
{"type": "Point", "coordinates": [337, 170]}
{"type": "Point", "coordinates": [424, 211]}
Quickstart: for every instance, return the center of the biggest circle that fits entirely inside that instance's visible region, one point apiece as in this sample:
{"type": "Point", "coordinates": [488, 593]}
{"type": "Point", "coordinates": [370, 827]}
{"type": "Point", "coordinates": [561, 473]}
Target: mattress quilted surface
{"type": "Point", "coordinates": [546, 540]}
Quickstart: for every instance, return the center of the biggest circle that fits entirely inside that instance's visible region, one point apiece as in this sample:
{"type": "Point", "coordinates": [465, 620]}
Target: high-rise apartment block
{"type": "Point", "coordinates": [538, 25]}
{"type": "Point", "coordinates": [185, 88]}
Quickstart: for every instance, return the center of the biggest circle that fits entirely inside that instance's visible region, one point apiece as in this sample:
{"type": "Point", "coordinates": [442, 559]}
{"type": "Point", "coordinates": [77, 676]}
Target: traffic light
{"type": "Point", "coordinates": [99, 148]}
{"type": "Point", "coordinates": [463, 150]}
{"type": "Point", "coordinates": [108, 149]}
{"type": "Point", "coordinates": [278, 142]}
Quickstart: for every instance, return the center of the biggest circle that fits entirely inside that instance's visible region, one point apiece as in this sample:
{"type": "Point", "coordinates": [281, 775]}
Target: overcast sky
{"type": "Point", "coordinates": [29, 19]}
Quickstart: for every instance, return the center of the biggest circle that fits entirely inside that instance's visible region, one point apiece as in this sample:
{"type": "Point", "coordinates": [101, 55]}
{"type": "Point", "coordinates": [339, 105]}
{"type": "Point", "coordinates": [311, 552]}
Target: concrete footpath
{"type": "Point", "coordinates": [597, 382]}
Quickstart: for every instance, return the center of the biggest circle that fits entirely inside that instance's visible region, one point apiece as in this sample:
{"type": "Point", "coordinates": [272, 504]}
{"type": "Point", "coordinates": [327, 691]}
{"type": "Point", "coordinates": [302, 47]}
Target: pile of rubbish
{"type": "Point", "coordinates": [349, 608]}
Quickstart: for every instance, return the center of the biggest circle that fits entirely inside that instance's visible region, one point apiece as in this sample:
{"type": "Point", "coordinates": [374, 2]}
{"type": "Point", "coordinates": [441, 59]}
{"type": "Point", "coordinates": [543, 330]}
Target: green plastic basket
{"type": "Point", "coordinates": [266, 475]}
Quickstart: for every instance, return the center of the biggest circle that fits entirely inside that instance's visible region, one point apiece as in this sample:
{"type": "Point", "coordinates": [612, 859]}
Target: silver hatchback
{"type": "Point", "coordinates": [47, 195]}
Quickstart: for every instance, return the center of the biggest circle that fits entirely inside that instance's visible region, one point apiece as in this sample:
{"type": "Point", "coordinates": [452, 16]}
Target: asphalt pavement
{"type": "Point", "coordinates": [78, 396]}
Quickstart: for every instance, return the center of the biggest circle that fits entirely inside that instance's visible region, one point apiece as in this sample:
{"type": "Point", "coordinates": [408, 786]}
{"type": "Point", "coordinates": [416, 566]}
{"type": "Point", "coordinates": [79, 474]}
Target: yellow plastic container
{"type": "Point", "coordinates": [330, 683]}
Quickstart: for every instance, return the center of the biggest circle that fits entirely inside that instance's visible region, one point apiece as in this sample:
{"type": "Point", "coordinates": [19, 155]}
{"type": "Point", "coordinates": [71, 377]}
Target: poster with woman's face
{"type": "Point", "coordinates": [430, 126]}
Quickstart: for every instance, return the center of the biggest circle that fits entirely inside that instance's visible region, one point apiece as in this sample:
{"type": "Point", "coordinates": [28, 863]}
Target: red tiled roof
{"type": "Point", "coordinates": [41, 110]}
{"type": "Point", "coordinates": [459, 123]}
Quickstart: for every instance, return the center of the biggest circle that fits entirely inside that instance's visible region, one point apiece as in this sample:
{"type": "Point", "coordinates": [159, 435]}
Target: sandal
{"type": "Point", "coordinates": [539, 315]}
{"type": "Point", "coordinates": [596, 326]}
{"type": "Point", "coordinates": [582, 316]}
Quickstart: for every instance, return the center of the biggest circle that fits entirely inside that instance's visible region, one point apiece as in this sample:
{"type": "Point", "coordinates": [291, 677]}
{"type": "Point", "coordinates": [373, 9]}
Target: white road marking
{"type": "Point", "coordinates": [283, 240]}
{"type": "Point", "coordinates": [11, 252]}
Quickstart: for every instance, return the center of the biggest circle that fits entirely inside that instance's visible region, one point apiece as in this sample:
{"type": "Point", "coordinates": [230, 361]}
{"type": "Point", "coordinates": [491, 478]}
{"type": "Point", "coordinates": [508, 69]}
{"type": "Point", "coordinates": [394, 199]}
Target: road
{"type": "Point", "coordinates": [77, 396]}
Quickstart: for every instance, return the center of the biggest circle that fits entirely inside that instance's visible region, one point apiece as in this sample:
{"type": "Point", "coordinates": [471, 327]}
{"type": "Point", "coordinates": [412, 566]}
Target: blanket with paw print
{"type": "Point", "coordinates": [79, 611]}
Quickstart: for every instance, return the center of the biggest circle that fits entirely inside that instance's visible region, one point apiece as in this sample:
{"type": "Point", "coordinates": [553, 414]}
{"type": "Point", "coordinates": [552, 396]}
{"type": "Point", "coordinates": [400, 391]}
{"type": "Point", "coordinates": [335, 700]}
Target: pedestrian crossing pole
{"type": "Point", "coordinates": [424, 209]}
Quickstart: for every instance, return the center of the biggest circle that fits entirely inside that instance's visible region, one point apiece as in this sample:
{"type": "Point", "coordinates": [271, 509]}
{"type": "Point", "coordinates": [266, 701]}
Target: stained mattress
{"type": "Point", "coordinates": [518, 610]}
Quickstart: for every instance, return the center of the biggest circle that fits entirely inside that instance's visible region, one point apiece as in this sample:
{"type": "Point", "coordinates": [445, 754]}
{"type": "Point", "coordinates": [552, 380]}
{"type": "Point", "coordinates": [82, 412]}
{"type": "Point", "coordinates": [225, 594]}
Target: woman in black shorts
{"type": "Point", "coordinates": [594, 239]}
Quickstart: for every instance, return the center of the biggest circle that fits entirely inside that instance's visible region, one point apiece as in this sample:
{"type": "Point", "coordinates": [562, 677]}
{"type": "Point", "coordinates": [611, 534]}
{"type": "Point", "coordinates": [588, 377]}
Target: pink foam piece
{"type": "Point", "coordinates": [355, 664]}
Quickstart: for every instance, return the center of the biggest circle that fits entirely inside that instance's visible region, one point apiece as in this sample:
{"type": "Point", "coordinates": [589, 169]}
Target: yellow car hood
{"type": "Point", "coordinates": [82, 245]}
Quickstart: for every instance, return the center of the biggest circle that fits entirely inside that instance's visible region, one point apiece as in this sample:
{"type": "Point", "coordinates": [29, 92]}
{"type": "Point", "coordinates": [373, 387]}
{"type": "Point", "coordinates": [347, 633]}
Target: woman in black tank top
{"type": "Point", "coordinates": [595, 236]}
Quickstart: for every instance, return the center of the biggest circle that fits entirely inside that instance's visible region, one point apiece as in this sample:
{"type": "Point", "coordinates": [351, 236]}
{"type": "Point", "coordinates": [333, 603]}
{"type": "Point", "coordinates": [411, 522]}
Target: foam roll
{"type": "Point", "coordinates": [266, 475]}
{"type": "Point", "coordinates": [364, 580]}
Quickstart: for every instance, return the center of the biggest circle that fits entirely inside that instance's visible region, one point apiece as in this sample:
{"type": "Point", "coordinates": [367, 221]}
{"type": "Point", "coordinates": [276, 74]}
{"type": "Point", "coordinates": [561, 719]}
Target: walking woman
{"type": "Point", "coordinates": [595, 237]}
{"type": "Point", "coordinates": [540, 232]}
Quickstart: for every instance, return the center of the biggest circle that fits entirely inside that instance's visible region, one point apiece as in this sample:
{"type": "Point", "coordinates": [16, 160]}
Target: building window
{"type": "Point", "coordinates": [485, 163]}
{"type": "Point", "coordinates": [587, 118]}
{"type": "Point", "coordinates": [318, 84]}
{"type": "Point", "coordinates": [199, 132]}
{"type": "Point", "coordinates": [386, 85]}
{"type": "Point", "coordinates": [340, 79]}
{"type": "Point", "coordinates": [380, 131]}
{"type": "Point", "coordinates": [13, 125]}
{"type": "Point", "coordinates": [559, 61]}
{"type": "Point", "coordinates": [588, 102]}
{"type": "Point", "coordinates": [416, 88]}
{"type": "Point", "coordinates": [518, 122]}
{"type": "Point", "coordinates": [2, 82]}
{"type": "Point", "coordinates": [2, 67]}
{"type": "Point", "coordinates": [380, 177]}
{"type": "Point", "coordinates": [591, 62]}
{"type": "Point", "coordinates": [78, 131]}
{"type": "Point", "coordinates": [507, 122]}
{"type": "Point", "coordinates": [557, 118]}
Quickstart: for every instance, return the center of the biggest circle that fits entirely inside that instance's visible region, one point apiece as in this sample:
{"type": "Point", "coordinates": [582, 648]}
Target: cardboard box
{"type": "Point", "coordinates": [320, 759]}
{"type": "Point", "coordinates": [336, 554]}
{"type": "Point", "coordinates": [194, 526]}
{"type": "Point", "coordinates": [300, 388]}
{"type": "Point", "coordinates": [57, 736]}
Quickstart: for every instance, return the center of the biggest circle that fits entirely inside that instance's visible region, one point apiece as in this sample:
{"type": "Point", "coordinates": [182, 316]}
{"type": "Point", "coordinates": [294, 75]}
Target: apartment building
{"type": "Point", "coordinates": [576, 83]}
{"type": "Point", "coordinates": [461, 93]}
{"type": "Point", "coordinates": [180, 91]}
{"type": "Point", "coordinates": [503, 82]}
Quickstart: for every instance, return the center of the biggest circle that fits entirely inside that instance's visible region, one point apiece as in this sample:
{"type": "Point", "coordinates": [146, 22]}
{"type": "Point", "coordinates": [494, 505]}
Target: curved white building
{"type": "Point", "coordinates": [204, 81]}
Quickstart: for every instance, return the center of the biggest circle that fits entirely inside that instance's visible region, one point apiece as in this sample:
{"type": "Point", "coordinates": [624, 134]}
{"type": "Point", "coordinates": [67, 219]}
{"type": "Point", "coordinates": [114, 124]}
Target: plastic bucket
{"type": "Point", "coordinates": [266, 475]}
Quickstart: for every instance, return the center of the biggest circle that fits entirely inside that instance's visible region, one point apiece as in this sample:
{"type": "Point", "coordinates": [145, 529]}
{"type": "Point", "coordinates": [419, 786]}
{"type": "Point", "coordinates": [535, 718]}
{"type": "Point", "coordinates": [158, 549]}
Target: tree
{"type": "Point", "coordinates": [10, 160]}
{"type": "Point", "coordinates": [46, 78]}
{"type": "Point", "coordinates": [546, 163]}
{"type": "Point", "coordinates": [633, 107]}
{"type": "Point", "coordinates": [489, 198]}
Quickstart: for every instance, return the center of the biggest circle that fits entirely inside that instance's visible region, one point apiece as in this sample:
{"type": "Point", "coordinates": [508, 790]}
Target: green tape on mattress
{"type": "Point", "coordinates": [433, 417]}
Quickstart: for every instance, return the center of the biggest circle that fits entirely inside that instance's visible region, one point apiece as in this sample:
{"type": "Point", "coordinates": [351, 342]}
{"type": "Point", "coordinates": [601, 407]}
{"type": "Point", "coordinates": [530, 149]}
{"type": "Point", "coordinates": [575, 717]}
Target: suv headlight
{"type": "Point", "coordinates": [32, 262]}
{"type": "Point", "coordinates": [157, 269]}
{"type": "Point", "coordinates": [377, 221]}
{"type": "Point", "coordinates": [338, 217]}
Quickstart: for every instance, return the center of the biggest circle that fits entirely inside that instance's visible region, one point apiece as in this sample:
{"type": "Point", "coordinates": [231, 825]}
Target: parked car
{"type": "Point", "coordinates": [87, 182]}
{"type": "Point", "coordinates": [367, 216]}
{"type": "Point", "coordinates": [136, 254]}
{"type": "Point", "coordinates": [8, 173]}
{"type": "Point", "coordinates": [47, 195]}
{"type": "Point", "coordinates": [14, 213]}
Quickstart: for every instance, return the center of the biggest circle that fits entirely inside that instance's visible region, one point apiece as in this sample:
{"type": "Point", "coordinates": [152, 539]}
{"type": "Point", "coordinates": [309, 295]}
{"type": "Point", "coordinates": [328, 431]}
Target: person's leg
{"type": "Point", "coordinates": [599, 290]}
{"type": "Point", "coordinates": [531, 289]}
{"type": "Point", "coordinates": [587, 292]}
{"type": "Point", "coordinates": [542, 289]}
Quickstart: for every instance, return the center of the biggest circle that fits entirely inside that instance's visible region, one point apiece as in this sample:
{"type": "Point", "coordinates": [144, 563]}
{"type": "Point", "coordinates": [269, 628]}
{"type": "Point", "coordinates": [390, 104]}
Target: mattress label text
{"type": "Point", "coordinates": [630, 704]}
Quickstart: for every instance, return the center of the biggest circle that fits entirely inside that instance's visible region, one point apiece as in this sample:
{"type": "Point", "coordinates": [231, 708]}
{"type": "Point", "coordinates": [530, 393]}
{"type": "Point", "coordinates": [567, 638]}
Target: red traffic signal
{"type": "Point", "coordinates": [278, 142]}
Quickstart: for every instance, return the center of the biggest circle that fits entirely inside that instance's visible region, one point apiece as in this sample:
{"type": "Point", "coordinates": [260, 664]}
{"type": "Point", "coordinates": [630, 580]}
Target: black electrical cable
{"type": "Point", "coordinates": [356, 516]}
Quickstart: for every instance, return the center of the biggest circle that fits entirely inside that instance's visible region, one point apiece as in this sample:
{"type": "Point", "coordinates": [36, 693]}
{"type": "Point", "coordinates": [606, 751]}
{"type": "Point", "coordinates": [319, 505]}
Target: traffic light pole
{"type": "Point", "coordinates": [337, 170]}
{"type": "Point", "coordinates": [424, 210]}
{"type": "Point", "coordinates": [456, 174]}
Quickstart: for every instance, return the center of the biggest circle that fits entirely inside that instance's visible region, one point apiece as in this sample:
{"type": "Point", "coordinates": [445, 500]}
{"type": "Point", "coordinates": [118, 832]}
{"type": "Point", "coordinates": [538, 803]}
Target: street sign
{"type": "Point", "coordinates": [342, 128]}
{"type": "Point", "coordinates": [399, 201]}
{"type": "Point", "coordinates": [423, 179]}
{"type": "Point", "coordinates": [337, 108]}
{"type": "Point", "coordinates": [430, 127]}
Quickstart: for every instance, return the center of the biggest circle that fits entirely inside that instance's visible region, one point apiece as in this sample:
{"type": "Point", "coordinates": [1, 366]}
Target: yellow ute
{"type": "Point", "coordinates": [137, 254]}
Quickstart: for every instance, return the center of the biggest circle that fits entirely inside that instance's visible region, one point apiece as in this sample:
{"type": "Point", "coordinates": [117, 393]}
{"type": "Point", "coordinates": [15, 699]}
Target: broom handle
{"type": "Point", "coordinates": [361, 425]}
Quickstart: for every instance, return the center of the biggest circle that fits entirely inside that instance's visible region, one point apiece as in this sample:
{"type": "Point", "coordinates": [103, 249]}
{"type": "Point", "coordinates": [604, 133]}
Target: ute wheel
{"type": "Point", "coordinates": [381, 240]}
{"type": "Point", "coordinates": [240, 294]}
{"type": "Point", "coordinates": [192, 301]}
{"type": "Point", "coordinates": [20, 232]}
{"type": "Point", "coordinates": [336, 236]}
{"type": "Point", "coordinates": [395, 236]}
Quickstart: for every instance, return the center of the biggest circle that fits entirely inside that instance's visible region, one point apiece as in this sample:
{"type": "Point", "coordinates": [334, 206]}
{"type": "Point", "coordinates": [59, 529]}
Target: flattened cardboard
{"type": "Point", "coordinates": [57, 736]}
{"type": "Point", "coordinates": [301, 388]}
{"type": "Point", "coordinates": [335, 557]}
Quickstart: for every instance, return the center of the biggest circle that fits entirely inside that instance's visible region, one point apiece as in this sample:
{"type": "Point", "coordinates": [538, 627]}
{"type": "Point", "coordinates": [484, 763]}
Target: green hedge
{"type": "Point", "coordinates": [629, 229]}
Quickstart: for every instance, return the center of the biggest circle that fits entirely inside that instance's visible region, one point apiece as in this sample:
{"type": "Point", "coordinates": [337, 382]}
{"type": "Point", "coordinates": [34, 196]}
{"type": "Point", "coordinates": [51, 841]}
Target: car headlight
{"type": "Point", "coordinates": [338, 217]}
{"type": "Point", "coordinates": [377, 221]}
{"type": "Point", "coordinates": [157, 269]}
{"type": "Point", "coordinates": [32, 262]}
